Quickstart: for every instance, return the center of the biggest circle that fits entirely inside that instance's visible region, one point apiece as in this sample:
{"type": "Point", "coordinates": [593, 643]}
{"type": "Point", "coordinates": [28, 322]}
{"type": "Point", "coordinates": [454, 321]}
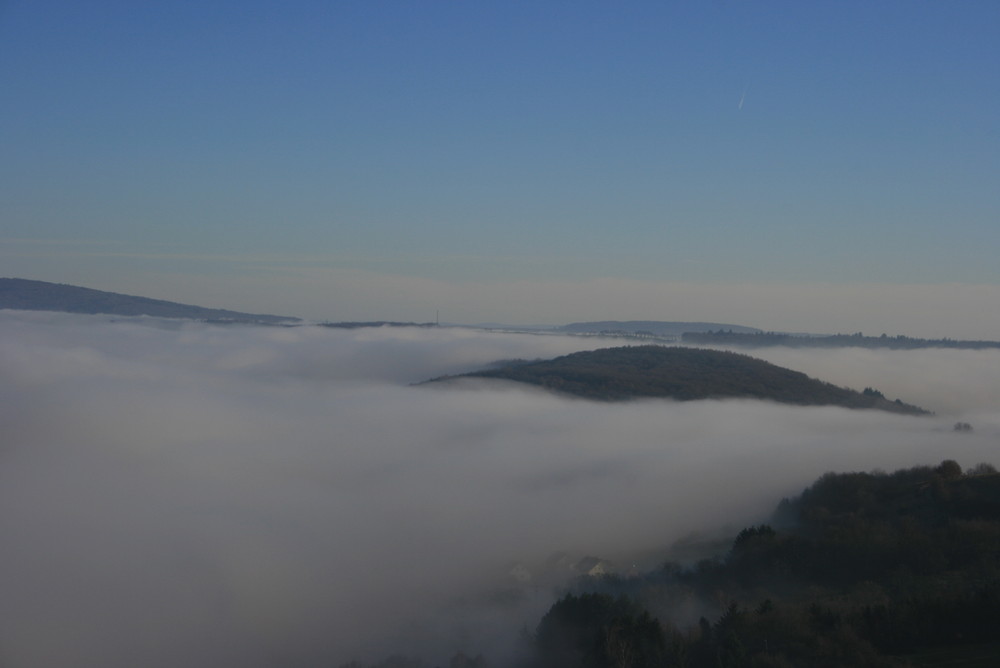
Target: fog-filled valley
{"type": "Point", "coordinates": [178, 493]}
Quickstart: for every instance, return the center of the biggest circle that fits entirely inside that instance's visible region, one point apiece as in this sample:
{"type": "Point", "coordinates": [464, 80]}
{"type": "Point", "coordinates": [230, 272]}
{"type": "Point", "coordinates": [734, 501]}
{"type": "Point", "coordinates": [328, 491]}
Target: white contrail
{"type": "Point", "coordinates": [743, 96]}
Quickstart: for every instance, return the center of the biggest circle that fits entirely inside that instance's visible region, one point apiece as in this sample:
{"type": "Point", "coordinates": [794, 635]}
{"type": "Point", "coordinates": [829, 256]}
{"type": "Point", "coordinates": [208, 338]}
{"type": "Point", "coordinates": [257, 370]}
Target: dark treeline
{"type": "Point", "coordinates": [862, 569]}
{"type": "Point", "coordinates": [858, 340]}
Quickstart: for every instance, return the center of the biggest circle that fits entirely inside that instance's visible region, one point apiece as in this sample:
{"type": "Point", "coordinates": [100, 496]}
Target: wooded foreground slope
{"type": "Point", "coordinates": [862, 569]}
{"type": "Point", "coordinates": [880, 570]}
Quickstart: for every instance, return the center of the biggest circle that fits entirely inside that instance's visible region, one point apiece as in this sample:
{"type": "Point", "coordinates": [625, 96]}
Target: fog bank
{"type": "Point", "coordinates": [184, 494]}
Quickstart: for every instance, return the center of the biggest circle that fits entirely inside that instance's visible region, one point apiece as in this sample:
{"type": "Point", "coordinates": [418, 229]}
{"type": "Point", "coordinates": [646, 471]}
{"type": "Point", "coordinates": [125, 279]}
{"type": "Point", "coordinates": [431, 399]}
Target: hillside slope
{"type": "Point", "coordinates": [23, 294]}
{"type": "Point", "coordinates": [616, 374]}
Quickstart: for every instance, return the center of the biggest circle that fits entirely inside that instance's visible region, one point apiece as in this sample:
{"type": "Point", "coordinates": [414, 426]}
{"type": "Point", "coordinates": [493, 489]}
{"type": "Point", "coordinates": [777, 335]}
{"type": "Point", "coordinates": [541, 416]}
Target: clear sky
{"type": "Point", "coordinates": [797, 165]}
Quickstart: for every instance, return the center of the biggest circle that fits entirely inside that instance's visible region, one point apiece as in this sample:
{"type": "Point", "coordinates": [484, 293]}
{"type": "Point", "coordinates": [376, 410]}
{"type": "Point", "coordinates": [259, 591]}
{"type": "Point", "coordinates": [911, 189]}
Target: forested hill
{"type": "Point", "coordinates": [863, 569]}
{"type": "Point", "coordinates": [617, 374]}
{"type": "Point", "coordinates": [23, 294]}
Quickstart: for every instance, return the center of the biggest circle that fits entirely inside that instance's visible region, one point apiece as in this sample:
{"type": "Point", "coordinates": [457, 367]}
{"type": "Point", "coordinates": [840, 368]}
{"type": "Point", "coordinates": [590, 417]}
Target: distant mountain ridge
{"type": "Point", "coordinates": [859, 340]}
{"type": "Point", "coordinates": [654, 327]}
{"type": "Point", "coordinates": [683, 374]}
{"type": "Point", "coordinates": [28, 295]}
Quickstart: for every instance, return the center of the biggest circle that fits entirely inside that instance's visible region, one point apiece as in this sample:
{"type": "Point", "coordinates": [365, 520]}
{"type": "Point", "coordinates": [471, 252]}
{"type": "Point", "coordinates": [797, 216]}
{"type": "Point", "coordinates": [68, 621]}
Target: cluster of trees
{"type": "Point", "coordinates": [858, 340]}
{"type": "Point", "coordinates": [764, 636]}
{"type": "Point", "coordinates": [616, 374]}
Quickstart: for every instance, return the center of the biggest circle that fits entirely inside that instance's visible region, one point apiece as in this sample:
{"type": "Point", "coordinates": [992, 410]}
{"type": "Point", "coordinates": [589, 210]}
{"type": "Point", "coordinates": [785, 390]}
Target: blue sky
{"type": "Point", "coordinates": [770, 163]}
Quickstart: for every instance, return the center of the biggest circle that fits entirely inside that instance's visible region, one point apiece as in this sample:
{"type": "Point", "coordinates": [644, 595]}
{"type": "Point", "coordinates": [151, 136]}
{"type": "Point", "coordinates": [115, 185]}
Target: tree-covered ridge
{"type": "Point", "coordinates": [862, 569]}
{"type": "Point", "coordinates": [683, 374]}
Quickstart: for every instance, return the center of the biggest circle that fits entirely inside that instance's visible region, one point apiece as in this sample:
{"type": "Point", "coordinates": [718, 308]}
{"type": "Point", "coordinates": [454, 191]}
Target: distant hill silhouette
{"type": "Point", "coordinates": [23, 294]}
{"type": "Point", "coordinates": [617, 374]}
{"type": "Point", "coordinates": [652, 327]}
{"type": "Point", "coordinates": [859, 340]}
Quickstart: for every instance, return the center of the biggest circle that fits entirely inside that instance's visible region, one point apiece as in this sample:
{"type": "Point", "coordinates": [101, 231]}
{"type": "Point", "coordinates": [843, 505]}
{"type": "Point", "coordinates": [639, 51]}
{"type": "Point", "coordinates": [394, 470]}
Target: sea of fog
{"type": "Point", "coordinates": [188, 494]}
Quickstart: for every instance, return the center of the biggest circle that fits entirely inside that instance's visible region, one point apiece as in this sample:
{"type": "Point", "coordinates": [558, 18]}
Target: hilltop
{"type": "Point", "coordinates": [27, 295]}
{"type": "Point", "coordinates": [683, 374]}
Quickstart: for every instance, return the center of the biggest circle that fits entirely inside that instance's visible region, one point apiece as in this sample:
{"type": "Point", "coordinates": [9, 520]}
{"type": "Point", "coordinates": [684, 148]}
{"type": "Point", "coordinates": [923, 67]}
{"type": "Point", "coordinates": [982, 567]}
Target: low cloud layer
{"type": "Point", "coordinates": [194, 495]}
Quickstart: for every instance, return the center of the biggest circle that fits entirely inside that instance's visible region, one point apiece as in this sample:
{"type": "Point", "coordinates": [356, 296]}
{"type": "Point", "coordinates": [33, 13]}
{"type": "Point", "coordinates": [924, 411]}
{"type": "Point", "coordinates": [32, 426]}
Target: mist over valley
{"type": "Point", "coordinates": [220, 495]}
